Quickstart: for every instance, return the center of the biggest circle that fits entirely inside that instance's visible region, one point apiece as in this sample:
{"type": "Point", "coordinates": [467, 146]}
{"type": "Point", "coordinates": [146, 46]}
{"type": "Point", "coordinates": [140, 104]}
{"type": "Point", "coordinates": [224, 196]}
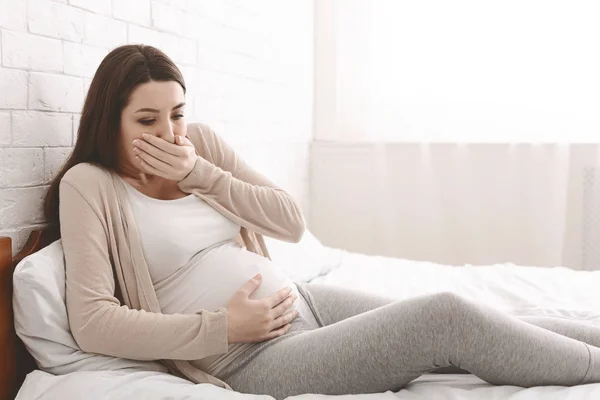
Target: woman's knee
{"type": "Point", "coordinates": [447, 297]}
{"type": "Point", "coordinates": [448, 304]}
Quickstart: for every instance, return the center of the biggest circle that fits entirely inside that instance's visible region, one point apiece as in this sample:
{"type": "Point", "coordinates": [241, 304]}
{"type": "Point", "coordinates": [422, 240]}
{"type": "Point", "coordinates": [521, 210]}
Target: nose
{"type": "Point", "coordinates": [167, 131]}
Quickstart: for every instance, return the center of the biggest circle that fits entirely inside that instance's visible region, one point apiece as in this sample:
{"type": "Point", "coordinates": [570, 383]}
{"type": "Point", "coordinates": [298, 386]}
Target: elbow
{"type": "Point", "coordinates": [85, 338]}
{"type": "Point", "coordinates": [291, 224]}
{"type": "Point", "coordinates": [298, 224]}
{"type": "Point", "coordinates": [298, 230]}
{"type": "Point", "coordinates": [86, 333]}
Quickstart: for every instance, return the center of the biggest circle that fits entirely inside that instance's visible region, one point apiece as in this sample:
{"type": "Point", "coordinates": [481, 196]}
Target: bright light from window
{"type": "Point", "coordinates": [484, 71]}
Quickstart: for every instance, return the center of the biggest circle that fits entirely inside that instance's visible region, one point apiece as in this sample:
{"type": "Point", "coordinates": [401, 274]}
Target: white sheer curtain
{"type": "Point", "coordinates": [464, 70]}
{"type": "Point", "coordinates": [459, 132]}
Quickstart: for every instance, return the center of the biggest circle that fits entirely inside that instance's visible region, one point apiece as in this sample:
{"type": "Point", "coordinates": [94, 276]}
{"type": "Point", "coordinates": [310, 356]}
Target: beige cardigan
{"type": "Point", "coordinates": [102, 245]}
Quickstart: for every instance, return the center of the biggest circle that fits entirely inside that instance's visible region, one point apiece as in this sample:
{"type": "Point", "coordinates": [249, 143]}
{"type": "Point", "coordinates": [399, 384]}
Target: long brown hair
{"type": "Point", "coordinates": [121, 71]}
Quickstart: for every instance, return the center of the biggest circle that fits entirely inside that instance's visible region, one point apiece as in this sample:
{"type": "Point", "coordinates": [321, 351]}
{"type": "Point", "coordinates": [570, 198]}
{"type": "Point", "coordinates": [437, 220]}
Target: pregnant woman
{"type": "Point", "coordinates": [162, 225]}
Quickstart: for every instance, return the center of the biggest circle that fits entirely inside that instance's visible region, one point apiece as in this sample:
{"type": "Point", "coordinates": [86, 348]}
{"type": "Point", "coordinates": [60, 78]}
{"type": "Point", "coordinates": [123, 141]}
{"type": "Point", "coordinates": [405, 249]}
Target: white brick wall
{"type": "Point", "coordinates": [102, 31]}
{"type": "Point", "coordinates": [136, 11]}
{"type": "Point", "coordinates": [55, 92]}
{"type": "Point", "coordinates": [80, 59]}
{"type": "Point", "coordinates": [100, 7]}
{"type": "Point", "coordinates": [13, 14]}
{"type": "Point", "coordinates": [23, 167]}
{"type": "Point", "coordinates": [26, 51]}
{"type": "Point", "coordinates": [54, 157]}
{"type": "Point", "coordinates": [2, 183]}
{"type": "Point", "coordinates": [13, 89]}
{"type": "Point", "coordinates": [248, 67]}
{"type": "Point", "coordinates": [41, 129]}
{"type": "Point", "coordinates": [5, 129]}
{"type": "Point", "coordinates": [55, 20]}
{"type": "Point", "coordinates": [167, 18]}
{"type": "Point", "coordinates": [22, 207]}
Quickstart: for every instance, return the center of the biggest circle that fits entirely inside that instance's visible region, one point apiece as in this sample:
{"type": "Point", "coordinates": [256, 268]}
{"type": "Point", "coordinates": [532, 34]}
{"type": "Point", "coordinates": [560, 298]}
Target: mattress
{"type": "Point", "coordinates": [521, 290]}
{"type": "Point", "coordinates": [119, 385]}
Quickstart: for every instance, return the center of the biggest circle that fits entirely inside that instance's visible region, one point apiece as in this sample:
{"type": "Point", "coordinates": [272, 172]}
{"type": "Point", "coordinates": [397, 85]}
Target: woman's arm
{"type": "Point", "coordinates": [99, 323]}
{"type": "Point", "coordinates": [237, 189]}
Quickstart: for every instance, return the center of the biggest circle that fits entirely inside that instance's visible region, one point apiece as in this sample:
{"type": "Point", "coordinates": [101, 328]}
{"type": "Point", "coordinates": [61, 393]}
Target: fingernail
{"type": "Point", "coordinates": [145, 135]}
{"type": "Point", "coordinates": [136, 142]}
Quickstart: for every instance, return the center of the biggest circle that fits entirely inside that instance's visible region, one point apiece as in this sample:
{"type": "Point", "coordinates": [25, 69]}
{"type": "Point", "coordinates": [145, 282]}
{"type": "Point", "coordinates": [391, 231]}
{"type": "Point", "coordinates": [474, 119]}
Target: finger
{"type": "Point", "coordinates": [149, 169]}
{"type": "Point", "coordinates": [278, 332]}
{"type": "Point", "coordinates": [251, 285]}
{"type": "Point", "coordinates": [153, 161]}
{"type": "Point", "coordinates": [279, 296]}
{"type": "Point", "coordinates": [285, 319]}
{"type": "Point", "coordinates": [183, 141]}
{"type": "Point", "coordinates": [284, 306]}
{"type": "Point", "coordinates": [162, 144]}
{"type": "Point", "coordinates": [140, 145]}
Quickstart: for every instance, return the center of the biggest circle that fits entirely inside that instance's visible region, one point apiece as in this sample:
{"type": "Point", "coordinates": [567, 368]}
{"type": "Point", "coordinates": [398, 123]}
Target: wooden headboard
{"type": "Point", "coordinates": [15, 360]}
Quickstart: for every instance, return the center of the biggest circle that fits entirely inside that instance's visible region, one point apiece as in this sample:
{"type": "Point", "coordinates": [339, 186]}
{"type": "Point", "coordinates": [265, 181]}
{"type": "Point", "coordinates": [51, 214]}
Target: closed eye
{"type": "Point", "coordinates": [147, 122]}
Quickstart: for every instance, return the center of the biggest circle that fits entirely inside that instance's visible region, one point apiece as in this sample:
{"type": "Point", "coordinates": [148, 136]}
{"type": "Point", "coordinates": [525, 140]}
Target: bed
{"type": "Point", "coordinates": [521, 290]}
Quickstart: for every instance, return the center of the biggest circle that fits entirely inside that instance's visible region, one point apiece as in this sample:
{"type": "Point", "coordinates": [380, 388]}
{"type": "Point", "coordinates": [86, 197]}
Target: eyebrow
{"type": "Point", "coordinates": [155, 110]}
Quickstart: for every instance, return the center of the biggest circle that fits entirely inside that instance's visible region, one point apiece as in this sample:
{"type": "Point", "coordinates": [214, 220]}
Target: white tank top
{"type": "Point", "coordinates": [195, 262]}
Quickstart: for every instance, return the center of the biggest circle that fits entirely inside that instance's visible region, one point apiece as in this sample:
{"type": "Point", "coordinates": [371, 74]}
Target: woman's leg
{"type": "Point", "coordinates": [332, 304]}
{"type": "Point", "coordinates": [580, 330]}
{"type": "Point", "coordinates": [387, 347]}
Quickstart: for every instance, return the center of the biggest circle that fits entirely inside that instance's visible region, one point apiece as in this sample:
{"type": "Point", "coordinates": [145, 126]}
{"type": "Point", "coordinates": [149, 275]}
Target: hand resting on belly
{"type": "Point", "coordinates": [222, 277]}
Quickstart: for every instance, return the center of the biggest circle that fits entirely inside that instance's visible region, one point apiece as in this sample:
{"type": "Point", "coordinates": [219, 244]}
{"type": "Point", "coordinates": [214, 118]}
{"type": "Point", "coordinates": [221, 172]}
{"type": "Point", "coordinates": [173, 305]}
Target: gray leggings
{"type": "Point", "coordinates": [366, 344]}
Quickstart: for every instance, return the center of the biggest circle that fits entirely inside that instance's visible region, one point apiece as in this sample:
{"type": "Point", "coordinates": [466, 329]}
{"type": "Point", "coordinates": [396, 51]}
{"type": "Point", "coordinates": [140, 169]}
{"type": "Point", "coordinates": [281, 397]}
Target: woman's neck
{"type": "Point", "coordinates": [133, 175]}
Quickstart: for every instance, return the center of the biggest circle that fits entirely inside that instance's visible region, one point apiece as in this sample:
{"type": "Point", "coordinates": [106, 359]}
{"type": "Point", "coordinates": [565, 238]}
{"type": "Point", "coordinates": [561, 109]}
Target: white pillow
{"type": "Point", "coordinates": [305, 260]}
{"type": "Point", "coordinates": [41, 318]}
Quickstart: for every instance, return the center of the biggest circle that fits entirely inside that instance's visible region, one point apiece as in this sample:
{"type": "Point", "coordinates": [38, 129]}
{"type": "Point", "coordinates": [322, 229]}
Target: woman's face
{"type": "Point", "coordinates": [156, 108]}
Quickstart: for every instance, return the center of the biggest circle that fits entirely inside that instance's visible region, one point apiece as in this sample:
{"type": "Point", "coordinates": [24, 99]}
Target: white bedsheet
{"type": "Point", "coordinates": [516, 289]}
{"type": "Point", "coordinates": [118, 385]}
{"type": "Point", "coordinates": [522, 290]}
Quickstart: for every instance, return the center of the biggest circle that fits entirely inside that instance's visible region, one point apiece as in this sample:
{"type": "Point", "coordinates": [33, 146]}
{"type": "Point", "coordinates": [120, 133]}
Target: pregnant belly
{"type": "Point", "coordinates": [211, 278]}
